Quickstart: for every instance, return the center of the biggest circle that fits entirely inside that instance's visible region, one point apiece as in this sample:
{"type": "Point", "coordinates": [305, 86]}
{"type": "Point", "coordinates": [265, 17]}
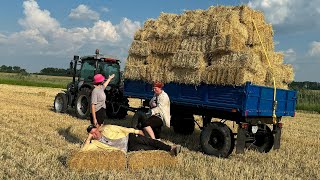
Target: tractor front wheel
{"type": "Point", "coordinates": [60, 104]}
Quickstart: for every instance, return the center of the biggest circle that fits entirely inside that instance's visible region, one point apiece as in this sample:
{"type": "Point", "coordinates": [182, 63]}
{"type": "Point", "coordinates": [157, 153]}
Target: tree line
{"type": "Point", "coordinates": [45, 71]}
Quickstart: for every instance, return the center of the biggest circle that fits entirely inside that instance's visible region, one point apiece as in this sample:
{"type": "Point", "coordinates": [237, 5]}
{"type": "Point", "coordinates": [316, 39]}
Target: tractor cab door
{"type": "Point", "coordinates": [87, 71]}
{"type": "Point", "coordinates": [108, 68]}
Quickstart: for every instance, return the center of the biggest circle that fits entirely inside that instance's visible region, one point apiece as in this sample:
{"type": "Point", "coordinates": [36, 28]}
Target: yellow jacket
{"type": "Point", "coordinates": [111, 132]}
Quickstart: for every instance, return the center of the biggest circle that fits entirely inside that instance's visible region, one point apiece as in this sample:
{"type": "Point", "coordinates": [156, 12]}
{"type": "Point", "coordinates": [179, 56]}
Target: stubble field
{"type": "Point", "coordinates": [36, 142]}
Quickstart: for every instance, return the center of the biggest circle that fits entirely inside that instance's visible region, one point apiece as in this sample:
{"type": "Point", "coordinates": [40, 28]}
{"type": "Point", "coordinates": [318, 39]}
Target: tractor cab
{"type": "Point", "coordinates": [78, 93]}
{"type": "Point", "coordinates": [86, 67]}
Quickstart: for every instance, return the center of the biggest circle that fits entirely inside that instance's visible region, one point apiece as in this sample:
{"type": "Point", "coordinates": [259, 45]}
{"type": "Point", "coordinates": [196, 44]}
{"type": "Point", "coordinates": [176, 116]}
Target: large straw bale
{"type": "Point", "coordinates": [189, 59]}
{"type": "Point", "coordinates": [283, 75]}
{"type": "Point", "coordinates": [136, 60]}
{"type": "Point", "coordinates": [266, 34]}
{"type": "Point", "coordinates": [194, 43]}
{"type": "Point", "coordinates": [229, 43]}
{"type": "Point", "coordinates": [135, 72]}
{"type": "Point", "coordinates": [275, 58]}
{"type": "Point", "coordinates": [97, 160]}
{"type": "Point", "coordinates": [183, 75]}
{"type": "Point", "coordinates": [140, 48]}
{"type": "Point", "coordinates": [165, 46]}
{"type": "Point", "coordinates": [247, 15]}
{"type": "Point", "coordinates": [139, 160]}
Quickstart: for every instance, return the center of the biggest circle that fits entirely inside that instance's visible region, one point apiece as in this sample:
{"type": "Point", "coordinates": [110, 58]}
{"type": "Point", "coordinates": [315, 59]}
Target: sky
{"type": "Point", "coordinates": [35, 34]}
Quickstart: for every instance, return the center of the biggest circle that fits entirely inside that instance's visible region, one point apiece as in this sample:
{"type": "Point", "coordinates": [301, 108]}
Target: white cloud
{"type": "Point", "coordinates": [105, 9]}
{"type": "Point", "coordinates": [104, 31]}
{"type": "Point", "coordinates": [276, 10]}
{"type": "Point", "coordinates": [314, 49]}
{"type": "Point", "coordinates": [289, 14]}
{"type": "Point", "coordinates": [83, 12]}
{"type": "Point", "coordinates": [290, 56]}
{"type": "Point", "coordinates": [42, 35]}
{"type": "Point", "coordinates": [127, 27]}
{"type": "Point", "coordinates": [37, 19]}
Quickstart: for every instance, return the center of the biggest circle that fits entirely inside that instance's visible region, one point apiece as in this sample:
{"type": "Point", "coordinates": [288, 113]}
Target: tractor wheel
{"type": "Point", "coordinates": [112, 109]}
{"type": "Point", "coordinates": [217, 139]}
{"type": "Point", "coordinates": [60, 104]}
{"type": "Point", "coordinates": [83, 103]}
{"type": "Point", "coordinates": [183, 125]}
{"type": "Point", "coordinates": [263, 139]}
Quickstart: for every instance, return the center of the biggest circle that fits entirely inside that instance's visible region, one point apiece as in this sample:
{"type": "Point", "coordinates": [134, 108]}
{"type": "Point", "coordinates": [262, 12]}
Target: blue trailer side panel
{"type": "Point", "coordinates": [250, 100]}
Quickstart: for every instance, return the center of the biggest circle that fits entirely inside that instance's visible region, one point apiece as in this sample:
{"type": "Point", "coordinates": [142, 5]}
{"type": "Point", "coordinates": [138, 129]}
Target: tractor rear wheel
{"type": "Point", "coordinates": [217, 139]}
{"type": "Point", "coordinates": [60, 104]}
{"type": "Point", "coordinates": [83, 103]}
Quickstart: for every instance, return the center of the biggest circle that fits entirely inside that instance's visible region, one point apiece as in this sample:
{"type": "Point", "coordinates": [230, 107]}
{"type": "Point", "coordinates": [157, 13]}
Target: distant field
{"type": "Point", "coordinates": [34, 80]}
{"type": "Point", "coordinates": [36, 142]}
{"type": "Point", "coordinates": [309, 100]}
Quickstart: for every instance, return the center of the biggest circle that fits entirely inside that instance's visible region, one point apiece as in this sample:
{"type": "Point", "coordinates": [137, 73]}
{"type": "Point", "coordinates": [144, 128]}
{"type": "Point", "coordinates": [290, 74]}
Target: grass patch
{"type": "Point", "coordinates": [34, 80]}
{"type": "Point", "coordinates": [308, 100]}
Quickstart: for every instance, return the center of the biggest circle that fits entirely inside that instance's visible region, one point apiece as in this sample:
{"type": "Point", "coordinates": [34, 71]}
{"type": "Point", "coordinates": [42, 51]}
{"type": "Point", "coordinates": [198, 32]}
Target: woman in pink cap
{"type": "Point", "coordinates": [98, 99]}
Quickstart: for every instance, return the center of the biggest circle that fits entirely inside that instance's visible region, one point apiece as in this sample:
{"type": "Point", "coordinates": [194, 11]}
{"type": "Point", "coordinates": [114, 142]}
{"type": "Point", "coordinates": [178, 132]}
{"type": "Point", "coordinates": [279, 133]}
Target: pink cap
{"type": "Point", "coordinates": [98, 78]}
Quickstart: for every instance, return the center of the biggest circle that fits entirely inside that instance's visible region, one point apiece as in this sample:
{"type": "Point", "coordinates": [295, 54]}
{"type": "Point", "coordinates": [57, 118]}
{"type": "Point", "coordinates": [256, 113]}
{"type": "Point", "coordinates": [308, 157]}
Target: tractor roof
{"type": "Point", "coordinates": [100, 57]}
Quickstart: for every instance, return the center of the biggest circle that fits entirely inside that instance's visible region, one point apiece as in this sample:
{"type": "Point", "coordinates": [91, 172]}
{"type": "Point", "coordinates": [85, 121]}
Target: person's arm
{"type": "Point", "coordinates": [105, 84]}
{"type": "Point", "coordinates": [93, 110]}
{"type": "Point", "coordinates": [126, 130]}
{"type": "Point", "coordinates": [88, 140]}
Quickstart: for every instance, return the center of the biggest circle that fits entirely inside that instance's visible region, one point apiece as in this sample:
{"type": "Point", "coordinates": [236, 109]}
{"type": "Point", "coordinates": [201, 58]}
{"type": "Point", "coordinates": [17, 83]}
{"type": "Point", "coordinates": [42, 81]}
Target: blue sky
{"type": "Point", "coordinates": [38, 34]}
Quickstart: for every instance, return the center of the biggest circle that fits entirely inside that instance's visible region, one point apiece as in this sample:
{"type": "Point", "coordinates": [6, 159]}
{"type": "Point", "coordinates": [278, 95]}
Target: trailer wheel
{"type": "Point", "coordinates": [217, 139]}
{"type": "Point", "coordinates": [83, 103]}
{"type": "Point", "coordinates": [263, 139]}
{"type": "Point", "coordinates": [183, 125]}
{"type": "Point", "coordinates": [60, 104]}
{"type": "Point", "coordinates": [113, 107]}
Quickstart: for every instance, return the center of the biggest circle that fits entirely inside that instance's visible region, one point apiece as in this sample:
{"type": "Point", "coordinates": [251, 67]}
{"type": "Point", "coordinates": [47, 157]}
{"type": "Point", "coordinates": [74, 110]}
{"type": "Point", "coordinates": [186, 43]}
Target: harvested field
{"type": "Point", "coordinates": [36, 143]}
{"type": "Point", "coordinates": [213, 43]}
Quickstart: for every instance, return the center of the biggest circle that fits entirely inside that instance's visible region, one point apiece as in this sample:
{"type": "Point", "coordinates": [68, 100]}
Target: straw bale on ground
{"type": "Point", "coordinates": [97, 160]}
{"type": "Point", "coordinates": [140, 160]}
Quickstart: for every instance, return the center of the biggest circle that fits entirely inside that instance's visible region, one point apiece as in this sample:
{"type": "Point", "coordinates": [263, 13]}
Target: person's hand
{"type": "Point", "coordinates": [111, 76]}
{"type": "Point", "coordinates": [141, 133]}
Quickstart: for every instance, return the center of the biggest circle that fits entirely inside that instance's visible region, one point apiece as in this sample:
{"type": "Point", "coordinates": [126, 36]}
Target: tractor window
{"type": "Point", "coordinates": [107, 69]}
{"type": "Point", "coordinates": [87, 71]}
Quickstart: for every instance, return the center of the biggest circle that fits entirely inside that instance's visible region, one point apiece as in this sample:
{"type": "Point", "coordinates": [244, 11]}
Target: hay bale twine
{"type": "Point", "coordinates": [97, 160]}
{"type": "Point", "coordinates": [139, 160]}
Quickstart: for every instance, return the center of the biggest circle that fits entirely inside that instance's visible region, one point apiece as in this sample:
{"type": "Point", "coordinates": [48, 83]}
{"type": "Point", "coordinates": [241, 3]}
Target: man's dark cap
{"type": "Point", "coordinates": [90, 127]}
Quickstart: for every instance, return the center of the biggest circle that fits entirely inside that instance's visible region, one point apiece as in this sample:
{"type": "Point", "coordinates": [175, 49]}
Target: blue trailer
{"type": "Point", "coordinates": [252, 107]}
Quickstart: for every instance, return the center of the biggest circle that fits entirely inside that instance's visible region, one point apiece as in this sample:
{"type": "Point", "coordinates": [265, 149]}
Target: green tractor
{"type": "Point", "coordinates": [78, 93]}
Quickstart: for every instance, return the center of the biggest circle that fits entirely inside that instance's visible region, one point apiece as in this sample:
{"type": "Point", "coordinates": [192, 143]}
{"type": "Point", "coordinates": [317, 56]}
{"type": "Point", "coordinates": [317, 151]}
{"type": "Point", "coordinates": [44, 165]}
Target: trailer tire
{"type": "Point", "coordinates": [217, 139]}
{"type": "Point", "coordinates": [263, 140]}
{"type": "Point", "coordinates": [83, 103]}
{"type": "Point", "coordinates": [121, 114]}
{"type": "Point", "coordinates": [183, 125]}
{"type": "Point", "coordinates": [60, 104]}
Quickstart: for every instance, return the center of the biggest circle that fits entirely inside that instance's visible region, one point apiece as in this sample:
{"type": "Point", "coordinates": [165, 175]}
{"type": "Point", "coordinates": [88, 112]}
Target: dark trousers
{"type": "Point", "coordinates": [138, 142]}
{"type": "Point", "coordinates": [101, 115]}
{"type": "Point", "coordinates": [155, 123]}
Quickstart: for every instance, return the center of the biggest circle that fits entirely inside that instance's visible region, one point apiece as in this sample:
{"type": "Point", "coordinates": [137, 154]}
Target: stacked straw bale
{"type": "Point", "coordinates": [219, 45]}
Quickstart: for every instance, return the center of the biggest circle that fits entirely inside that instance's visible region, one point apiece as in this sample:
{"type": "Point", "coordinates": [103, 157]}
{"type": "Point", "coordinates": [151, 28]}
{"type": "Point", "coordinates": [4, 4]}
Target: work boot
{"type": "Point", "coordinates": [175, 150]}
